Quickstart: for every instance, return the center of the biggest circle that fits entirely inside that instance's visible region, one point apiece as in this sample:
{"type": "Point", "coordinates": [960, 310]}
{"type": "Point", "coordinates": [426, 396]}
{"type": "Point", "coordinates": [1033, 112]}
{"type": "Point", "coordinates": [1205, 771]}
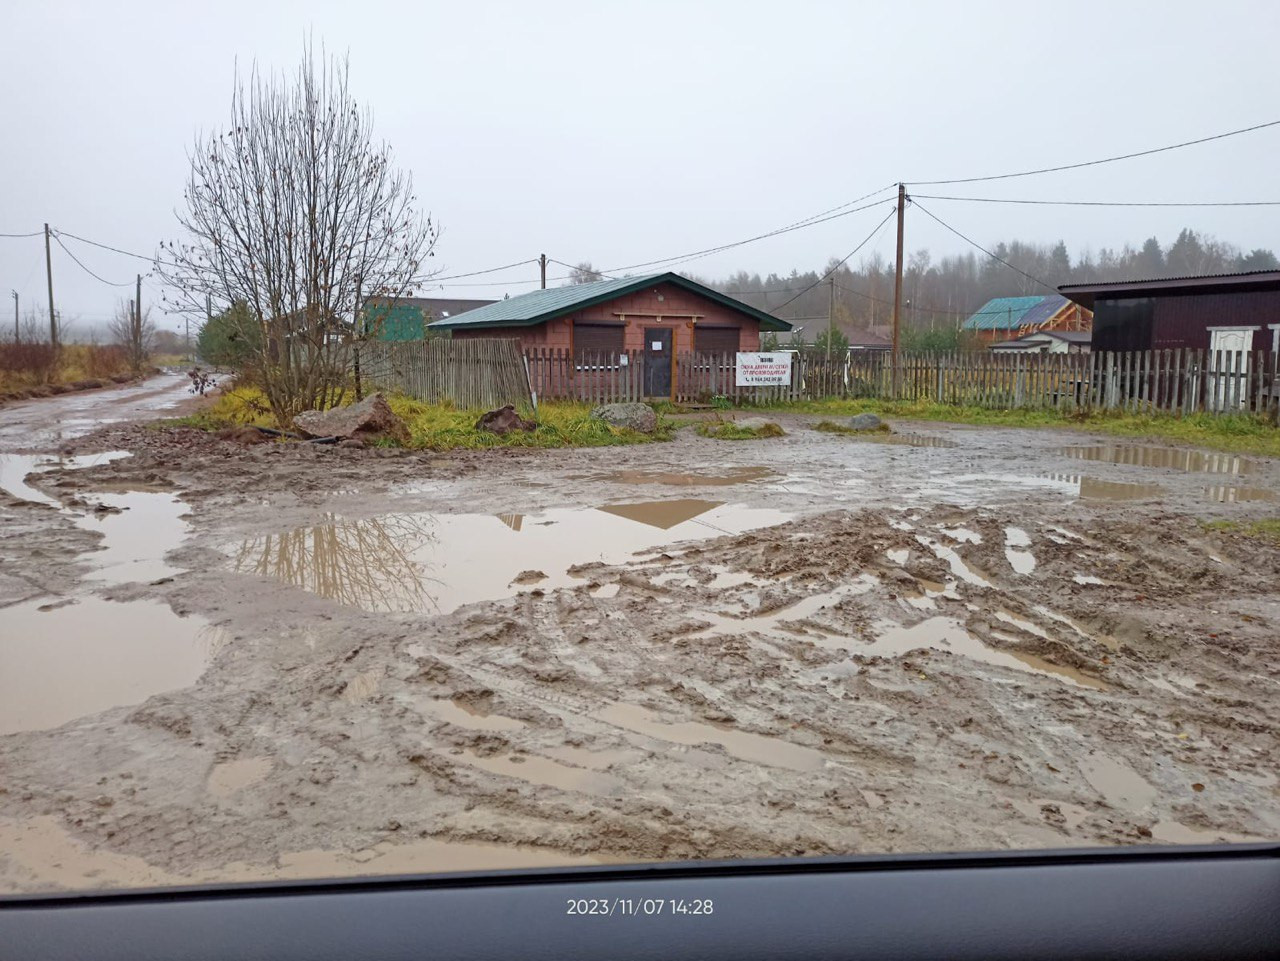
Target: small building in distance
{"type": "Point", "coordinates": [660, 314]}
{"type": "Point", "coordinates": [1002, 318]}
{"type": "Point", "coordinates": [1047, 342]}
{"type": "Point", "coordinates": [1217, 312]}
{"type": "Point", "coordinates": [406, 318]}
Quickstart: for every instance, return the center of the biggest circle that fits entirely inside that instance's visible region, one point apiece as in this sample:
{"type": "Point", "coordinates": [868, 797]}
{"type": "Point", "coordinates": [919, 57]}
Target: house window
{"type": "Point", "coordinates": [718, 340]}
{"type": "Point", "coordinates": [597, 344]}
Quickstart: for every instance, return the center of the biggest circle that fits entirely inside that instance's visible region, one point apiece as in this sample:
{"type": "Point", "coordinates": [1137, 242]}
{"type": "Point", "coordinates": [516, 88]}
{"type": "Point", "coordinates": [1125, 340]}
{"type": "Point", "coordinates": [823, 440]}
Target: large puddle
{"type": "Point", "coordinates": [438, 562]}
{"type": "Point", "coordinates": [91, 655]}
{"type": "Point", "coordinates": [14, 469]}
{"type": "Point", "coordinates": [723, 478]}
{"type": "Point", "coordinates": [138, 530]}
{"type": "Point", "coordinates": [1170, 458]}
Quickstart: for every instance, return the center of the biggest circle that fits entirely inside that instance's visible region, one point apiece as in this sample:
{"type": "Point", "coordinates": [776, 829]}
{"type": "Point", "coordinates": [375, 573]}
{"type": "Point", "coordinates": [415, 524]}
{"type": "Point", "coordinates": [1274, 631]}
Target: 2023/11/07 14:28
{"type": "Point", "coordinates": [639, 907]}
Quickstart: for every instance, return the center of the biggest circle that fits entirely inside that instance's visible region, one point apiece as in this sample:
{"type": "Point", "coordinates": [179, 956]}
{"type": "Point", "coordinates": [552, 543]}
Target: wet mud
{"type": "Point", "coordinates": [225, 663]}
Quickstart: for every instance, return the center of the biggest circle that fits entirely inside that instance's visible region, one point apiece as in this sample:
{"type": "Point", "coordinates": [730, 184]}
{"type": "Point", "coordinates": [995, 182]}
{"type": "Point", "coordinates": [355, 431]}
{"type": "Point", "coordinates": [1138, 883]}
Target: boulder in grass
{"type": "Point", "coordinates": [370, 419]}
{"type": "Point", "coordinates": [503, 421]}
{"type": "Point", "coordinates": [754, 423]}
{"type": "Point", "coordinates": [633, 416]}
{"type": "Point", "coordinates": [866, 422]}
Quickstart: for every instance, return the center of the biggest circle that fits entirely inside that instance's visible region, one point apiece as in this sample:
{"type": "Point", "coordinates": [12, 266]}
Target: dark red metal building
{"type": "Point", "coordinates": [1219, 312]}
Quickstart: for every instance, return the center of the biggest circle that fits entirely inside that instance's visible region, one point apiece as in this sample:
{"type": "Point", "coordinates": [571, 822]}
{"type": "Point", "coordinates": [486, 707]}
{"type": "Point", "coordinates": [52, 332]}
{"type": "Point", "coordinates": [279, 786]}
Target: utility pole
{"type": "Point", "coordinates": [542, 262]}
{"type": "Point", "coordinates": [17, 333]}
{"type": "Point", "coordinates": [48, 271]}
{"type": "Point", "coordinates": [137, 325]}
{"type": "Point", "coordinates": [897, 286]}
{"type": "Point", "coordinates": [831, 315]}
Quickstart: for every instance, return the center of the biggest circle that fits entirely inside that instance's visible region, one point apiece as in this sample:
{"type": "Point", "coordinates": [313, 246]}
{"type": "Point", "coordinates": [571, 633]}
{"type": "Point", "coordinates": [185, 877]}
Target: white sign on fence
{"type": "Point", "coordinates": [763, 370]}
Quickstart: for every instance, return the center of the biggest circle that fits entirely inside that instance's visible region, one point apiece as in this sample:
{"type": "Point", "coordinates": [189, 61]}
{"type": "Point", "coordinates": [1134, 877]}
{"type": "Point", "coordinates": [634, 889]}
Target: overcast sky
{"type": "Point", "coordinates": [625, 132]}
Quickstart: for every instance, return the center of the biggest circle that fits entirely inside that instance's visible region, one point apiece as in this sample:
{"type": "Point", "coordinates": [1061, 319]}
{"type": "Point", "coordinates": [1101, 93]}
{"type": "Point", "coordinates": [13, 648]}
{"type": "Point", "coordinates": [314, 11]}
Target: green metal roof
{"type": "Point", "coordinates": [539, 306]}
{"type": "Point", "coordinates": [1002, 313]}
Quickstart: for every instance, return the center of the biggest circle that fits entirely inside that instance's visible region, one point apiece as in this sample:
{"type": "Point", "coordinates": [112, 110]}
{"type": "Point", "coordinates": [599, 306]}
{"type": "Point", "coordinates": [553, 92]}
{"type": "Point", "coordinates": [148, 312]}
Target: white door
{"type": "Point", "coordinates": [1228, 377]}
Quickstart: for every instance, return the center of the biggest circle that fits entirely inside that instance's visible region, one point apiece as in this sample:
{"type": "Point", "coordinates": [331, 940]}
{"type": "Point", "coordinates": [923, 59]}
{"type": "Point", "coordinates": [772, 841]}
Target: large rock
{"type": "Point", "coordinates": [865, 422]}
{"type": "Point", "coordinates": [754, 423]}
{"type": "Point", "coordinates": [503, 421]}
{"type": "Point", "coordinates": [370, 419]}
{"type": "Point", "coordinates": [635, 416]}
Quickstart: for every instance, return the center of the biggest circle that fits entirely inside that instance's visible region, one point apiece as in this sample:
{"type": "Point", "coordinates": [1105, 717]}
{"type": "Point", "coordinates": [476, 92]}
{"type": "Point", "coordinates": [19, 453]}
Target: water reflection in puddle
{"type": "Point", "coordinates": [726, 477]}
{"type": "Point", "coordinates": [92, 655]}
{"type": "Point", "coordinates": [14, 469]}
{"type": "Point", "coordinates": [755, 748]}
{"type": "Point", "coordinates": [1190, 461]}
{"type": "Point", "coordinates": [1021, 560]}
{"type": "Point", "coordinates": [946, 633]}
{"type": "Point", "coordinates": [438, 562]}
{"type": "Point", "coordinates": [1090, 488]}
{"type": "Point", "coordinates": [905, 440]}
{"type": "Point", "coordinates": [1227, 494]}
{"type": "Point", "coordinates": [137, 534]}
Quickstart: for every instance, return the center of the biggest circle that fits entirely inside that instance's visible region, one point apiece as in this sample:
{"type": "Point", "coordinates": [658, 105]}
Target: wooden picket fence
{"type": "Point", "coordinates": [1182, 380]}
{"type": "Point", "coordinates": [476, 373]}
{"type": "Point", "coordinates": [468, 373]}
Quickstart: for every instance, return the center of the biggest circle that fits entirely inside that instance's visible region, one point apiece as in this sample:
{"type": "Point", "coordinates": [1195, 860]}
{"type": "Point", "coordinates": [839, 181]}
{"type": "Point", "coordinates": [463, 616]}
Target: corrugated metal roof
{"type": "Point", "coordinates": [1044, 311]}
{"type": "Point", "coordinates": [1085, 294]}
{"type": "Point", "coordinates": [539, 306]}
{"type": "Point", "coordinates": [1002, 313]}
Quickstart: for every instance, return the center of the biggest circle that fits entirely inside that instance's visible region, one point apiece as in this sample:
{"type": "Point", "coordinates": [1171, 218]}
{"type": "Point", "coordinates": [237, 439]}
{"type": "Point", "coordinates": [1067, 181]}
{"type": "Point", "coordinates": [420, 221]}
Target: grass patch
{"type": "Point", "coordinates": [728, 430]}
{"type": "Point", "coordinates": [1237, 433]}
{"type": "Point", "coordinates": [1268, 529]}
{"type": "Point", "coordinates": [442, 426]}
{"type": "Point", "coordinates": [831, 427]}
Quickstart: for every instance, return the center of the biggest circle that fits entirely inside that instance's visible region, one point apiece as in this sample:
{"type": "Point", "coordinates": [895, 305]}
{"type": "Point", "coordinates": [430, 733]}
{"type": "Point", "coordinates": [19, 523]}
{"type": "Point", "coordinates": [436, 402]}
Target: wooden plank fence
{"type": "Point", "coordinates": [468, 373]}
{"type": "Point", "coordinates": [1182, 381]}
{"type": "Point", "coordinates": [484, 373]}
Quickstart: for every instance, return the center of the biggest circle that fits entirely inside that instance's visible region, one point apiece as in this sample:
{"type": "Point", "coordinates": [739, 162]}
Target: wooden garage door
{"type": "Point", "coordinates": [719, 340]}
{"type": "Point", "coordinates": [597, 341]}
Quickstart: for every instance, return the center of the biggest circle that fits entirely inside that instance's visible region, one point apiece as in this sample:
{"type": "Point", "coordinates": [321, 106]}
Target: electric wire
{"type": "Point", "coordinates": [979, 246]}
{"type": "Point", "coordinates": [1094, 163]}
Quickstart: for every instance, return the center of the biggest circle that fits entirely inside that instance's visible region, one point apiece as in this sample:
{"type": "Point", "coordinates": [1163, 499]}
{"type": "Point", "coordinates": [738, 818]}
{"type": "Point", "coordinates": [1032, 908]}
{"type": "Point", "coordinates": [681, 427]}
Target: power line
{"type": "Point", "coordinates": [491, 270]}
{"type": "Point", "coordinates": [875, 230]}
{"type": "Point", "coordinates": [1108, 203]}
{"type": "Point", "coordinates": [34, 233]}
{"type": "Point", "coordinates": [599, 273]}
{"type": "Point", "coordinates": [974, 243]}
{"type": "Point", "coordinates": [117, 250]}
{"type": "Point", "coordinates": [58, 241]}
{"type": "Point", "coordinates": [1092, 163]}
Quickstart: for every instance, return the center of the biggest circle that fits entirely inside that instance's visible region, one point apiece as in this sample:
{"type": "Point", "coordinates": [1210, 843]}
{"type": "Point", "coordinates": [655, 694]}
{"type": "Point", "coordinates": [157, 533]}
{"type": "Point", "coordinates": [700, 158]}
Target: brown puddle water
{"type": "Point", "coordinates": [1090, 488]}
{"type": "Point", "coordinates": [438, 562]}
{"type": "Point", "coordinates": [946, 633]}
{"type": "Point", "coordinates": [92, 655]}
{"type": "Point", "coordinates": [45, 854]}
{"type": "Point", "coordinates": [905, 440]}
{"type": "Point", "coordinates": [14, 469]}
{"type": "Point", "coordinates": [1173, 458]}
{"type": "Point", "coordinates": [755, 748]}
{"type": "Point", "coordinates": [228, 777]}
{"type": "Point", "coordinates": [541, 770]}
{"type": "Point", "coordinates": [732, 475]}
{"type": "Point", "coordinates": [1228, 494]}
{"type": "Point", "coordinates": [1120, 785]}
{"type": "Point", "coordinates": [136, 536]}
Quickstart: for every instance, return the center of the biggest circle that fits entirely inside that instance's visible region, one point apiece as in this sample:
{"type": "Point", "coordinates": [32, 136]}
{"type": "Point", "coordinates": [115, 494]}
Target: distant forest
{"type": "Point", "coordinates": [941, 294]}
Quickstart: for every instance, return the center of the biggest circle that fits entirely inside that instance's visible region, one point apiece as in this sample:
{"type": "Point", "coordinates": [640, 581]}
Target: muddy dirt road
{"type": "Point", "coordinates": [221, 662]}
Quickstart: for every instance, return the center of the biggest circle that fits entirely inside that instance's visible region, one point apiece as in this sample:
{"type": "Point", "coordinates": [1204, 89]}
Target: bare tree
{"type": "Point", "coordinates": [297, 212]}
{"type": "Point", "coordinates": [135, 334]}
{"type": "Point", "coordinates": [584, 273]}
